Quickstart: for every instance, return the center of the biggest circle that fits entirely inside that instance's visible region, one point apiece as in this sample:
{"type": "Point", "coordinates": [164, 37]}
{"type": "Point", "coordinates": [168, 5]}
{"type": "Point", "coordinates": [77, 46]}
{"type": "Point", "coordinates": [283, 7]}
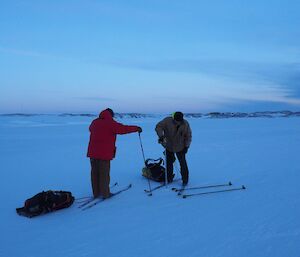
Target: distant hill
{"type": "Point", "coordinates": [211, 115]}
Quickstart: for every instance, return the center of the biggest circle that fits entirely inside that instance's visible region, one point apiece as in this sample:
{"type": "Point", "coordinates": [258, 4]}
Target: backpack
{"type": "Point", "coordinates": [45, 202]}
{"type": "Point", "coordinates": [154, 170]}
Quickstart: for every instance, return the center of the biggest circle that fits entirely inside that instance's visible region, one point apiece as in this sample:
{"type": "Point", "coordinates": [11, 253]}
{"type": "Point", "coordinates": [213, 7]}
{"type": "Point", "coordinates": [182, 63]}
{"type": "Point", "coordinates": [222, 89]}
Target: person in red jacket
{"type": "Point", "coordinates": [102, 149]}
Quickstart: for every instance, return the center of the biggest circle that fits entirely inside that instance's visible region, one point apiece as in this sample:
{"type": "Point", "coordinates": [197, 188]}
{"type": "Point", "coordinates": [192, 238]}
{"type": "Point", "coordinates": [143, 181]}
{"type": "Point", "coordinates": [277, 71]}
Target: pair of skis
{"type": "Point", "coordinates": [181, 191]}
{"type": "Point", "coordinates": [89, 202]}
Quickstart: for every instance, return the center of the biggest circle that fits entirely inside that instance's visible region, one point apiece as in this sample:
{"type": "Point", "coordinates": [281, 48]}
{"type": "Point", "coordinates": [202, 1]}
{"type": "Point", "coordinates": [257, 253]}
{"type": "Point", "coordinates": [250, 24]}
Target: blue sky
{"type": "Point", "coordinates": [149, 56]}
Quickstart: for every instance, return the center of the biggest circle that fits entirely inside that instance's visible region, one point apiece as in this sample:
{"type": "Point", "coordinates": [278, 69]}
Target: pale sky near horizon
{"type": "Point", "coordinates": [149, 56]}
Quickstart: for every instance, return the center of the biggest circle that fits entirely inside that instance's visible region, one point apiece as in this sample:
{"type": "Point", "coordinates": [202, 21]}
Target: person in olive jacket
{"type": "Point", "coordinates": [175, 135]}
{"type": "Point", "coordinates": [102, 149]}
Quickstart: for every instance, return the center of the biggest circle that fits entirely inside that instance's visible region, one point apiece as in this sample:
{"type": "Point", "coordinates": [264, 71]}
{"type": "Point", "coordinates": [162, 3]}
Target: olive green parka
{"type": "Point", "coordinates": [177, 135]}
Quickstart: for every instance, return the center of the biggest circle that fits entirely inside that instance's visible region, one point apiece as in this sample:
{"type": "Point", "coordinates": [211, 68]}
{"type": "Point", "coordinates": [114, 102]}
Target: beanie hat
{"type": "Point", "coordinates": [178, 116]}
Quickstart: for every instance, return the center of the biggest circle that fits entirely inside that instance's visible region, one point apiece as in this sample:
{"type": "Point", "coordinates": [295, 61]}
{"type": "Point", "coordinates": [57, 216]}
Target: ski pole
{"type": "Point", "coordinates": [166, 171]}
{"type": "Point", "coordinates": [145, 163]}
{"type": "Point", "coordinates": [142, 148]}
{"type": "Point", "coordinates": [214, 192]}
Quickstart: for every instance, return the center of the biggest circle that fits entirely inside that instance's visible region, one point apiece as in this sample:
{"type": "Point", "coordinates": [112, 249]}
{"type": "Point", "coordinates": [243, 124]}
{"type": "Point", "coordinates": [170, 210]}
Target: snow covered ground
{"type": "Point", "coordinates": [49, 152]}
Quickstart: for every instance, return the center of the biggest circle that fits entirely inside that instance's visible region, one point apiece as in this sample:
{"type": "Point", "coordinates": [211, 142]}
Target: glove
{"type": "Point", "coordinates": [185, 150]}
{"type": "Point", "coordinates": [161, 140]}
{"type": "Point", "coordinates": [139, 130]}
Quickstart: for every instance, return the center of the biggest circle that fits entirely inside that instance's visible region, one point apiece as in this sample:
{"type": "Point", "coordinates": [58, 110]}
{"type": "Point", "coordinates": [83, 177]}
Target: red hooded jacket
{"type": "Point", "coordinates": [103, 133]}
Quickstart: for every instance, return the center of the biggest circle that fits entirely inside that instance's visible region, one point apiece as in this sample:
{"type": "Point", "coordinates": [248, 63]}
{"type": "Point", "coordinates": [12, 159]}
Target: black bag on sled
{"type": "Point", "coordinates": [154, 170]}
{"type": "Point", "coordinates": [45, 202]}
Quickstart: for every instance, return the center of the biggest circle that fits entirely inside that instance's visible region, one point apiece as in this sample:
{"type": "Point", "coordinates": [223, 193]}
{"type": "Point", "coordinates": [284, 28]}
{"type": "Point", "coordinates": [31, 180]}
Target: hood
{"type": "Point", "coordinates": [105, 115]}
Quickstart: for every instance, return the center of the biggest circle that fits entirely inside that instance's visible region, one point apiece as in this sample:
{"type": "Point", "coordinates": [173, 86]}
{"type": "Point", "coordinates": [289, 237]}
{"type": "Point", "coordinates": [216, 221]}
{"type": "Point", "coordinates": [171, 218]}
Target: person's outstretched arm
{"type": "Point", "coordinates": [121, 129]}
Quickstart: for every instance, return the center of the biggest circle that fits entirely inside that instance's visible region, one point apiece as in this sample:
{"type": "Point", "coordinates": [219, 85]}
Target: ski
{"type": "Point", "coordinates": [83, 199]}
{"type": "Point", "coordinates": [214, 192]}
{"type": "Point", "coordinates": [149, 192]}
{"type": "Point", "coordinates": [180, 190]}
{"type": "Point", "coordinates": [86, 200]}
{"type": "Point", "coordinates": [99, 200]}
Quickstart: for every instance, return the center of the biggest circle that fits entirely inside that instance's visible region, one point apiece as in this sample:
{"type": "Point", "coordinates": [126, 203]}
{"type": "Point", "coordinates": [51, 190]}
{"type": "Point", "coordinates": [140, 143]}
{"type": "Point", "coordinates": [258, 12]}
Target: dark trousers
{"type": "Point", "coordinates": [100, 177]}
{"type": "Point", "coordinates": [183, 166]}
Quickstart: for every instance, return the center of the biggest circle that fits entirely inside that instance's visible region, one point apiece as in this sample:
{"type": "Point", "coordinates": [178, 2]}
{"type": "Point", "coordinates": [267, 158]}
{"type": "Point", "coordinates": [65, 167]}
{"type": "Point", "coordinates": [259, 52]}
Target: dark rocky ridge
{"type": "Point", "coordinates": [211, 115]}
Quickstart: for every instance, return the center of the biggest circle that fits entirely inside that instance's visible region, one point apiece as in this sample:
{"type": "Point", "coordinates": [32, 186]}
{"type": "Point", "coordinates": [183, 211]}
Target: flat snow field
{"type": "Point", "coordinates": [49, 152]}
